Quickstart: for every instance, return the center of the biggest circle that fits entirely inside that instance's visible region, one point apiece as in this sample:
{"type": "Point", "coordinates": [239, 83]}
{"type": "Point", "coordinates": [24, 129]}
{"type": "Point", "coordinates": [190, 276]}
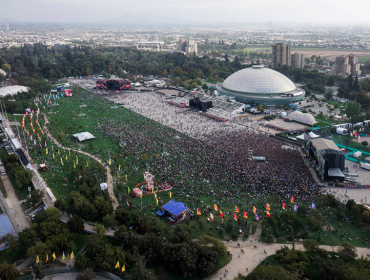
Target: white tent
{"type": "Point", "coordinates": [313, 135]}
{"type": "Point", "coordinates": [301, 137]}
{"type": "Point", "coordinates": [83, 136]}
{"type": "Point", "coordinates": [104, 186]}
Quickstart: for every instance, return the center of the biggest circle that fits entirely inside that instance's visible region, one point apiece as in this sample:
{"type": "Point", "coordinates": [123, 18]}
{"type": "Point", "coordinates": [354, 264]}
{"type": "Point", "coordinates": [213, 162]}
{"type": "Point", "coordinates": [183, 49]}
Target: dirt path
{"type": "Point", "coordinates": [109, 173]}
{"type": "Point", "coordinates": [253, 256]}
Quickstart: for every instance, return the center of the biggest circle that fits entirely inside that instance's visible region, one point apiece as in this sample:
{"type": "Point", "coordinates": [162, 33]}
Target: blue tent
{"type": "Point", "coordinates": [174, 208]}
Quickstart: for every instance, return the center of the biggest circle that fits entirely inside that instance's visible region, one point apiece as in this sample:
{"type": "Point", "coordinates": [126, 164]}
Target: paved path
{"type": "Point", "coordinates": [252, 257]}
{"type": "Point", "coordinates": [109, 174]}
{"type": "Point", "coordinates": [69, 276]}
{"type": "Point", "coordinates": [15, 212]}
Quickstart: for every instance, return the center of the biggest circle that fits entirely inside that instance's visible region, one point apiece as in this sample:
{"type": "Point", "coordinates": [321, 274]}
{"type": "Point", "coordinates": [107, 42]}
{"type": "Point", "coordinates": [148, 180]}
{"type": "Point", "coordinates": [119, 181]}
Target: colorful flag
{"type": "Point", "coordinates": [295, 208]}
{"type": "Point", "coordinates": [254, 210]}
{"type": "Point", "coordinates": [54, 256]}
{"type": "Point", "coordinates": [117, 265]}
{"type": "Point", "coordinates": [245, 215]}
{"type": "Point", "coordinates": [155, 196]}
{"type": "Point", "coordinates": [170, 194]}
{"type": "Point", "coordinates": [123, 268]}
{"type": "Point", "coordinates": [74, 164]}
{"type": "Point", "coordinates": [119, 167]}
{"type": "Point", "coordinates": [268, 206]}
{"type": "Point", "coordinates": [126, 177]}
{"type": "Point", "coordinates": [198, 212]}
{"type": "Point", "coordinates": [215, 207]}
{"type": "Point", "coordinates": [236, 209]}
{"type": "Point", "coordinates": [221, 214]}
{"type": "Point", "coordinates": [72, 256]}
{"type": "Point", "coordinates": [268, 214]}
{"type": "Point", "coordinates": [211, 217]}
{"type": "Point", "coordinates": [37, 259]}
{"type": "Point", "coordinates": [120, 197]}
{"type": "Point", "coordinates": [109, 162]}
{"type": "Point", "coordinates": [61, 161]}
{"type": "Point", "coordinates": [235, 217]}
{"type": "Point", "coordinates": [292, 199]}
{"type": "Point", "coordinates": [128, 205]}
{"type": "Point", "coordinates": [46, 151]}
{"type": "Point", "coordinates": [284, 204]}
{"type": "Point", "coordinates": [47, 257]}
{"type": "Point", "coordinates": [128, 190]}
{"type": "Point", "coordinates": [313, 206]}
{"type": "Point", "coordinates": [63, 256]}
{"type": "Point", "coordinates": [156, 202]}
{"type": "Point", "coordinates": [257, 218]}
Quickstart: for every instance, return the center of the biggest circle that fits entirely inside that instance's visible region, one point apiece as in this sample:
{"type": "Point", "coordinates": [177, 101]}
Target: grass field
{"type": "Point", "coordinates": [80, 241]}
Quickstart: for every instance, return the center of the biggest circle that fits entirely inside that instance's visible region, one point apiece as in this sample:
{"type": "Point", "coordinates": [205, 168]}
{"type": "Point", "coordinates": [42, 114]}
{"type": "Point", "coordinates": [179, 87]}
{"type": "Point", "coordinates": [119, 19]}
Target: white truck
{"type": "Point", "coordinates": [365, 165]}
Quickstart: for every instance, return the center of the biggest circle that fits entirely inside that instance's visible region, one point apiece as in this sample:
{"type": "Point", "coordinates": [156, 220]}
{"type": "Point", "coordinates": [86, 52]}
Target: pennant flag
{"type": "Point", "coordinates": [109, 162]}
{"type": "Point", "coordinates": [117, 265]}
{"type": "Point", "coordinates": [245, 215]}
{"type": "Point", "coordinates": [292, 199]}
{"type": "Point", "coordinates": [119, 167]}
{"type": "Point", "coordinates": [215, 207]}
{"type": "Point", "coordinates": [221, 214]}
{"type": "Point", "coordinates": [128, 189]}
{"type": "Point", "coordinates": [156, 202]}
{"type": "Point", "coordinates": [211, 217]}
{"type": "Point", "coordinates": [37, 259]}
{"type": "Point", "coordinates": [254, 210]}
{"type": "Point", "coordinates": [268, 206]}
{"type": "Point", "coordinates": [61, 161]}
{"type": "Point", "coordinates": [66, 157]}
{"type": "Point", "coordinates": [235, 217]}
{"type": "Point", "coordinates": [198, 212]}
{"type": "Point", "coordinates": [58, 152]}
{"type": "Point", "coordinates": [63, 256]}
{"type": "Point", "coordinates": [236, 209]}
{"type": "Point", "coordinates": [170, 194]}
{"type": "Point", "coordinates": [123, 268]}
{"type": "Point", "coordinates": [69, 153]}
{"type": "Point", "coordinates": [53, 156]}
{"type": "Point", "coordinates": [128, 205]}
{"type": "Point", "coordinates": [268, 214]}
{"type": "Point", "coordinates": [284, 204]}
{"type": "Point", "coordinates": [141, 195]}
{"type": "Point", "coordinates": [257, 218]}
{"type": "Point", "coordinates": [54, 256]}
{"type": "Point", "coordinates": [155, 196]}
{"type": "Point", "coordinates": [46, 151]}
{"type": "Point", "coordinates": [74, 165]}
{"type": "Point", "coordinates": [72, 256]}
{"type": "Point", "coordinates": [295, 208]}
{"type": "Point", "coordinates": [47, 257]}
{"type": "Point", "coordinates": [313, 206]}
{"type": "Point", "coordinates": [126, 177]}
{"type": "Point", "coordinates": [120, 197]}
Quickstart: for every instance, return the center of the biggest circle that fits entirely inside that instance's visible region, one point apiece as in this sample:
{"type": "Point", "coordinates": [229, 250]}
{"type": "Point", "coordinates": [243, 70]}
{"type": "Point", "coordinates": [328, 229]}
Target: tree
{"type": "Point", "coordinates": [329, 95]}
{"type": "Point", "coordinates": [36, 196]}
{"type": "Point", "coordinates": [76, 224]}
{"type": "Point", "coordinates": [348, 250]}
{"type": "Point", "coordinates": [140, 272]}
{"type": "Point", "coordinates": [353, 109]}
{"type": "Point", "coordinates": [364, 143]}
{"type": "Point", "coordinates": [350, 203]}
{"type": "Point", "coordinates": [81, 262]}
{"type": "Point", "coordinates": [109, 220]}
{"type": "Point", "coordinates": [60, 136]}
{"type": "Point", "coordinates": [270, 273]}
{"type": "Point", "coordinates": [366, 217]}
{"type": "Point", "coordinates": [356, 86]}
{"type": "Point", "coordinates": [8, 271]}
{"type": "Point", "coordinates": [164, 73]}
{"type": "Point", "coordinates": [350, 82]}
{"type": "Point", "coordinates": [310, 245]}
{"type": "Point", "coordinates": [361, 97]}
{"type": "Point", "coordinates": [6, 67]}
{"type": "Point", "coordinates": [88, 274]}
{"type": "Point", "coordinates": [23, 177]}
{"type": "Point", "coordinates": [205, 87]}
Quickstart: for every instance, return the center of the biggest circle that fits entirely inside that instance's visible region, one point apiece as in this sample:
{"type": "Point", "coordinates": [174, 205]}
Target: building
{"type": "Point", "coordinates": [329, 159]}
{"type": "Point", "coordinates": [298, 60]}
{"type": "Point", "coordinates": [174, 211]}
{"type": "Point", "coordinates": [258, 84]}
{"type": "Point", "coordinates": [187, 46]}
{"type": "Point", "coordinates": [281, 55]}
{"type": "Point", "coordinates": [7, 26]}
{"type": "Point", "coordinates": [345, 65]}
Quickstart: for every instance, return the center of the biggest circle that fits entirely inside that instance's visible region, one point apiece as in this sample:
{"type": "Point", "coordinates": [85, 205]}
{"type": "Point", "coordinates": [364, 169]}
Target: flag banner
{"type": "Point", "coordinates": [313, 206]}
{"type": "Point", "coordinates": [245, 215]}
{"type": "Point", "coordinates": [120, 197]}
{"type": "Point", "coordinates": [128, 205]}
{"type": "Point", "coordinates": [236, 209]}
{"type": "Point", "coordinates": [292, 199]}
{"type": "Point", "coordinates": [198, 212]}
{"type": "Point", "coordinates": [268, 206]}
{"type": "Point", "coordinates": [254, 210]}
{"type": "Point", "coordinates": [284, 204]}
{"type": "Point", "coordinates": [170, 194]}
{"type": "Point", "coordinates": [72, 256]}
{"type": "Point", "coordinates": [37, 259]}
{"type": "Point", "coordinates": [211, 217]}
{"type": "Point", "coordinates": [221, 214]}
{"type": "Point", "coordinates": [257, 218]}
{"type": "Point", "coordinates": [63, 257]}
{"type": "Point", "coordinates": [117, 265]}
{"type": "Point", "coordinates": [268, 214]}
{"type": "Point", "coordinates": [235, 217]}
{"type": "Point", "coordinates": [54, 256]}
{"type": "Point", "coordinates": [215, 207]}
{"type": "Point", "coordinates": [123, 268]}
{"type": "Point", "coordinates": [295, 208]}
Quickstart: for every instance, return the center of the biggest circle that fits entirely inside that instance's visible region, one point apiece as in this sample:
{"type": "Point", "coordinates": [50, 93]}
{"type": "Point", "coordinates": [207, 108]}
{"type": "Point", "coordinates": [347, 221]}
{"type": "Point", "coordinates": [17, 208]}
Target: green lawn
{"type": "Point", "coordinates": [80, 241]}
{"type": "Point", "coordinates": [7, 255]}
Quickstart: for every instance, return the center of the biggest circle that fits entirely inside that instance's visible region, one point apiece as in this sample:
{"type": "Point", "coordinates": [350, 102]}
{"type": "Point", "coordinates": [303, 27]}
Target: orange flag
{"type": "Point", "coordinates": [268, 214]}
{"type": "Point", "coordinates": [198, 212]}
{"type": "Point", "coordinates": [221, 214]}
{"type": "Point", "coordinates": [215, 207]}
{"type": "Point", "coordinates": [254, 210]}
{"type": "Point", "coordinates": [245, 215]}
{"type": "Point", "coordinates": [292, 199]}
{"type": "Point", "coordinates": [236, 209]}
{"type": "Point", "coordinates": [268, 206]}
{"type": "Point", "coordinates": [235, 217]}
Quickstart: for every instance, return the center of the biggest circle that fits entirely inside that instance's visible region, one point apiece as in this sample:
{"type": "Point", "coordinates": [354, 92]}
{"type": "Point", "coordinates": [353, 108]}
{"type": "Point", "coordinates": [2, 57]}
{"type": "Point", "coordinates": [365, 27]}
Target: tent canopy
{"type": "Point", "coordinates": [175, 208]}
{"type": "Point", "coordinates": [83, 136]}
{"type": "Point", "coordinates": [313, 135]}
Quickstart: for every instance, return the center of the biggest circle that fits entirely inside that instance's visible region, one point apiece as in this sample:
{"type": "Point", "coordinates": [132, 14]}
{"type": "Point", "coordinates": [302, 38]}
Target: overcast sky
{"type": "Point", "coordinates": [191, 11]}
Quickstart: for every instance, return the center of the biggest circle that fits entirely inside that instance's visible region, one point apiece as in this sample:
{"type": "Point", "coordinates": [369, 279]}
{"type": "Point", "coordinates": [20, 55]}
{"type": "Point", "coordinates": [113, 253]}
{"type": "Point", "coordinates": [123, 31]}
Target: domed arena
{"type": "Point", "coordinates": [258, 84]}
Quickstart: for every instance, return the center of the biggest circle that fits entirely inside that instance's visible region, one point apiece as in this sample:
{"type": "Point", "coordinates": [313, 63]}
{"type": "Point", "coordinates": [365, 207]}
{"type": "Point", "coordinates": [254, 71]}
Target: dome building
{"type": "Point", "coordinates": [258, 84]}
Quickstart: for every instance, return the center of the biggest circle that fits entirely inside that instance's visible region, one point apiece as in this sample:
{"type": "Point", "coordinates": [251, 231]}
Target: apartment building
{"type": "Point", "coordinates": [281, 55]}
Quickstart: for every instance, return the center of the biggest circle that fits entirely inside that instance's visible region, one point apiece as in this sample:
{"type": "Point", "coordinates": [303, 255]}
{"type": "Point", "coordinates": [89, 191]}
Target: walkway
{"type": "Point", "coordinates": [13, 207]}
{"type": "Point", "coordinates": [252, 257]}
{"type": "Point", "coordinates": [109, 174]}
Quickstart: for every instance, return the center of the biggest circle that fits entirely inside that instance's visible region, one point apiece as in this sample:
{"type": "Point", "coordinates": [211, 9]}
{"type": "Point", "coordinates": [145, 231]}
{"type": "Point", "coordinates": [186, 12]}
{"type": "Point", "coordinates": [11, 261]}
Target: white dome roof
{"type": "Point", "coordinates": [302, 117]}
{"type": "Point", "coordinates": [258, 79]}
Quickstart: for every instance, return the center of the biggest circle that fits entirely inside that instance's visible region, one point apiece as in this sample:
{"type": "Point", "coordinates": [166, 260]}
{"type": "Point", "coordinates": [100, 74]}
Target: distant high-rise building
{"type": "Point", "coordinates": [187, 46]}
{"type": "Point", "coordinates": [7, 26]}
{"type": "Point", "coordinates": [345, 65]}
{"type": "Point", "coordinates": [298, 60]}
{"type": "Point", "coordinates": [281, 55]}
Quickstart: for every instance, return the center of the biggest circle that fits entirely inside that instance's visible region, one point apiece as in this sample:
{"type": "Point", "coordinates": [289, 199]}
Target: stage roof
{"type": "Point", "coordinates": [335, 172]}
{"type": "Point", "coordinates": [83, 136]}
{"type": "Point", "coordinates": [323, 144]}
{"type": "Point", "coordinates": [174, 207]}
